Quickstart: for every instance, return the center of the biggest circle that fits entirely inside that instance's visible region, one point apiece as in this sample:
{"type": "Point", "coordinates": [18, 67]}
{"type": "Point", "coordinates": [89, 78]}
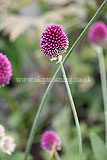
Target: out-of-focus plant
{"type": "Point", "coordinates": [98, 147]}
{"type": "Point", "coordinates": [98, 35]}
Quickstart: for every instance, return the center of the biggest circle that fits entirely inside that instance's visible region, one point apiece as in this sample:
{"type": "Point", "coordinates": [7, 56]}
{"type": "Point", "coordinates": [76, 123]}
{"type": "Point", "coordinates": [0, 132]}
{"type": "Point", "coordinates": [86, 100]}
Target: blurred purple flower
{"type": "Point", "coordinates": [48, 140]}
{"type": "Point", "coordinates": [98, 32]}
{"type": "Point", "coordinates": [53, 41]}
{"type": "Point", "coordinates": [5, 70]}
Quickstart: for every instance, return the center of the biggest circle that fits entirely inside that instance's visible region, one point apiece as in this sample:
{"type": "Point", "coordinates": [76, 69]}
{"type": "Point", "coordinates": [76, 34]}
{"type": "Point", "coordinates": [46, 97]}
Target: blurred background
{"type": "Point", "coordinates": [21, 25]}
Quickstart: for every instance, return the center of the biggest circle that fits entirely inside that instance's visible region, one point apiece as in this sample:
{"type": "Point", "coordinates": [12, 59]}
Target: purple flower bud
{"type": "Point", "coordinates": [5, 70]}
{"type": "Point", "coordinates": [97, 33]}
{"type": "Point", "coordinates": [48, 140]}
{"type": "Point", "coordinates": [53, 41]}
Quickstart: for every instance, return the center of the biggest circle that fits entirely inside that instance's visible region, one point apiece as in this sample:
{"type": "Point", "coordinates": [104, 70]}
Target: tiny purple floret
{"type": "Point", "coordinates": [48, 139]}
{"type": "Point", "coordinates": [5, 70]}
{"type": "Point", "coordinates": [53, 41]}
{"type": "Point", "coordinates": [97, 32]}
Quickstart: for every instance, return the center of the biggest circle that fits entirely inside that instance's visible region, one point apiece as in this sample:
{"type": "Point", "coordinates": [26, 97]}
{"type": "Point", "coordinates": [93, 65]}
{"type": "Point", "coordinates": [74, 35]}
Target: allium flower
{"type": "Point", "coordinates": [53, 41]}
{"type": "Point", "coordinates": [48, 140]}
{"type": "Point", "coordinates": [5, 70]}
{"type": "Point", "coordinates": [97, 33]}
{"type": "Point", "coordinates": [7, 144]}
{"type": "Point", "coordinates": [2, 131]}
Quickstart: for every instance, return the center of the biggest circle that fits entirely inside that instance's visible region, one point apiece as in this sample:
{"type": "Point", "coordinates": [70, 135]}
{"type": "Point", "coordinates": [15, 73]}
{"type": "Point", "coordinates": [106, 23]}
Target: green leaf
{"type": "Point", "coordinates": [14, 156]}
{"type": "Point", "coordinates": [98, 147]}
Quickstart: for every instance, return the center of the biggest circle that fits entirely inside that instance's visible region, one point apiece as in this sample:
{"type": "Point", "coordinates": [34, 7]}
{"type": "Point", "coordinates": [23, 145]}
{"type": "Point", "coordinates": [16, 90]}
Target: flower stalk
{"type": "Point", "coordinates": [74, 111]}
{"type": "Point", "coordinates": [57, 155]}
{"type": "Point", "coordinates": [99, 52]}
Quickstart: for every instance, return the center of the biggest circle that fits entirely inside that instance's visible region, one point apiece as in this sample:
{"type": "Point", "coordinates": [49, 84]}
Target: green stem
{"type": "Point", "coordinates": [50, 158]}
{"type": "Point", "coordinates": [57, 155]}
{"type": "Point", "coordinates": [74, 111]}
{"type": "Point", "coordinates": [36, 120]}
{"type": "Point", "coordinates": [103, 84]}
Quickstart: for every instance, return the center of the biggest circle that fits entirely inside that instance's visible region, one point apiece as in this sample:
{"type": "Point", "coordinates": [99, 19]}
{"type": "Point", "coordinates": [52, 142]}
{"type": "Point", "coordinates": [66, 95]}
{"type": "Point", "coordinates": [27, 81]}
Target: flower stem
{"type": "Point", "coordinates": [36, 120]}
{"type": "Point", "coordinates": [99, 51]}
{"type": "Point", "coordinates": [50, 158]}
{"type": "Point", "coordinates": [74, 111]}
{"type": "Point", "coordinates": [57, 155]}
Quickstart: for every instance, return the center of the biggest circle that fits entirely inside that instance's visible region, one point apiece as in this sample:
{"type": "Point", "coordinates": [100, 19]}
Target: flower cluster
{"type": "Point", "coordinates": [49, 138]}
{"type": "Point", "coordinates": [5, 70]}
{"type": "Point", "coordinates": [97, 32]}
{"type": "Point", "coordinates": [53, 41]}
{"type": "Point", "coordinates": [7, 143]}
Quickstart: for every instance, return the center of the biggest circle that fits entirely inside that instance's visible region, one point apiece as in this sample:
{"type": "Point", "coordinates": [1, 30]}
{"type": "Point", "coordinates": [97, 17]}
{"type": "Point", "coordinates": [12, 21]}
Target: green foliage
{"type": "Point", "coordinates": [68, 134]}
{"type": "Point", "coordinates": [15, 156]}
{"type": "Point", "coordinates": [98, 147]}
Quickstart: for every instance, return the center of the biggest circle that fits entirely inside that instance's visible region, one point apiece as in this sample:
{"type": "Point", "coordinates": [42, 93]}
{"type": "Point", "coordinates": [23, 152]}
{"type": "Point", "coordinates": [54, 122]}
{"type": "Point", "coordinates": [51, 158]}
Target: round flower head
{"type": "Point", "coordinates": [53, 41]}
{"type": "Point", "coordinates": [7, 144]}
{"type": "Point", "coordinates": [97, 33]}
{"type": "Point", "coordinates": [5, 70]}
{"type": "Point", "coordinates": [49, 138]}
{"type": "Point", "coordinates": [2, 131]}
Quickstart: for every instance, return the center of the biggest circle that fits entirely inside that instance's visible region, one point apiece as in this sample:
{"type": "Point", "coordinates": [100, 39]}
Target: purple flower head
{"type": "Point", "coordinates": [98, 32]}
{"type": "Point", "coordinates": [49, 138]}
{"type": "Point", "coordinates": [5, 70]}
{"type": "Point", "coordinates": [53, 41]}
